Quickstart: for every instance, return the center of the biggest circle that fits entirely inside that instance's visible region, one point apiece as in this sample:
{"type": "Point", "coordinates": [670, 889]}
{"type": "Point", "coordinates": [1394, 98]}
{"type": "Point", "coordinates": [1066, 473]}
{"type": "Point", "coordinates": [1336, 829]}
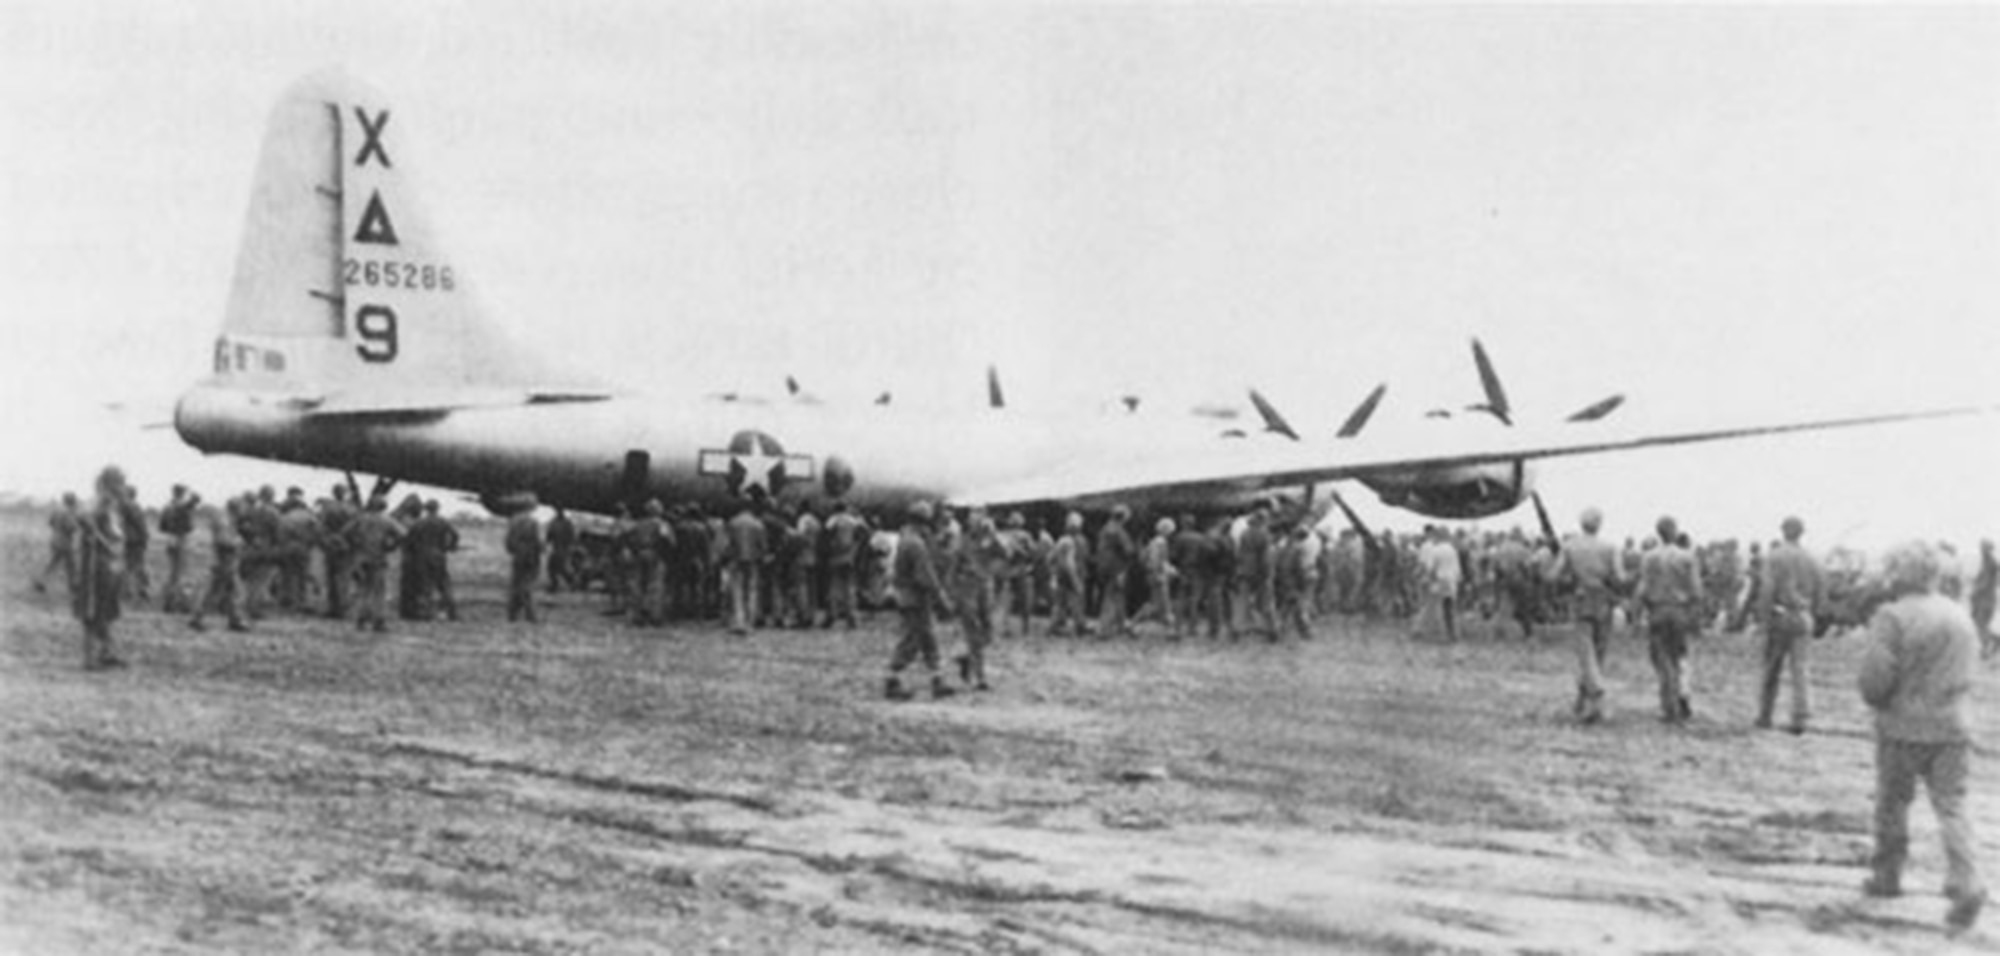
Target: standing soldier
{"type": "Point", "coordinates": [646, 539]}
{"type": "Point", "coordinates": [778, 555]}
{"type": "Point", "coordinates": [843, 534]}
{"type": "Point", "coordinates": [371, 537]}
{"type": "Point", "coordinates": [334, 517]}
{"type": "Point", "coordinates": [430, 541]}
{"type": "Point", "coordinates": [225, 548]}
{"type": "Point", "coordinates": [982, 560]}
{"type": "Point", "coordinates": [298, 528]}
{"type": "Point", "coordinates": [1215, 568]}
{"type": "Point", "coordinates": [1294, 583]}
{"type": "Point", "coordinates": [1792, 593]}
{"type": "Point", "coordinates": [1916, 675]}
{"type": "Point", "coordinates": [1592, 565]}
{"type": "Point", "coordinates": [1157, 560]}
{"type": "Point", "coordinates": [176, 523]}
{"type": "Point", "coordinates": [1442, 574]}
{"type": "Point", "coordinates": [132, 523]}
{"type": "Point", "coordinates": [258, 524]}
{"type": "Point", "coordinates": [617, 562]}
{"type": "Point", "coordinates": [1670, 592]}
{"type": "Point", "coordinates": [1256, 572]}
{"type": "Point", "coordinates": [918, 597]}
{"type": "Point", "coordinates": [63, 524]}
{"type": "Point", "coordinates": [1189, 556]}
{"type": "Point", "coordinates": [99, 581]}
{"type": "Point", "coordinates": [1115, 556]}
{"type": "Point", "coordinates": [524, 551]}
{"type": "Point", "coordinates": [1016, 597]}
{"type": "Point", "coordinates": [1515, 578]}
{"type": "Point", "coordinates": [805, 546]}
{"type": "Point", "coordinates": [1066, 574]}
{"type": "Point", "coordinates": [745, 534]}
{"type": "Point", "coordinates": [562, 552]}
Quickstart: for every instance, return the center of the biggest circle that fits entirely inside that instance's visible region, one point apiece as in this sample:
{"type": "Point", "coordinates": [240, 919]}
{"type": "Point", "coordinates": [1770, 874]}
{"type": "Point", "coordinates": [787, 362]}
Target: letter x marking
{"type": "Point", "coordinates": [373, 144]}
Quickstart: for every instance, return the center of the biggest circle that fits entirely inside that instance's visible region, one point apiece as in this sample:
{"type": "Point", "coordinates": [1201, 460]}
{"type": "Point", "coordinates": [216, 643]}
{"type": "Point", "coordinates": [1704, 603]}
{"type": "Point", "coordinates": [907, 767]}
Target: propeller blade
{"type": "Point", "coordinates": [1496, 397]}
{"type": "Point", "coordinates": [882, 399]}
{"type": "Point", "coordinates": [1602, 408]}
{"type": "Point", "coordinates": [1131, 403]}
{"type": "Point", "coordinates": [1353, 520]}
{"type": "Point", "coordinates": [791, 385]}
{"type": "Point", "coordinates": [1273, 422]}
{"type": "Point", "coordinates": [1362, 412]}
{"type": "Point", "coordinates": [994, 397]}
{"type": "Point", "coordinates": [1548, 527]}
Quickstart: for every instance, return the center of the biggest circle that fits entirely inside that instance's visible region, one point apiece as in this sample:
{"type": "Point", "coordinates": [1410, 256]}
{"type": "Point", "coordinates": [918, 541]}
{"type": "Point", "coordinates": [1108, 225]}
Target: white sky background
{"type": "Point", "coordinates": [1716, 211]}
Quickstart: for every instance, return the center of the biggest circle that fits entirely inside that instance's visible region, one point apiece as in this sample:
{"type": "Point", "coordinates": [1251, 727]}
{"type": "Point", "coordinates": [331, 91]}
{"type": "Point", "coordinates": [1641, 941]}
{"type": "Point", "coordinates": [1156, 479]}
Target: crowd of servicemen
{"type": "Point", "coordinates": [1268, 573]}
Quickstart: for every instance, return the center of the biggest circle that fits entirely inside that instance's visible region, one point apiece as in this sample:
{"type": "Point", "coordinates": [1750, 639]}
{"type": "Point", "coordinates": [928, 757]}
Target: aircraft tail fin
{"type": "Point", "coordinates": [340, 286]}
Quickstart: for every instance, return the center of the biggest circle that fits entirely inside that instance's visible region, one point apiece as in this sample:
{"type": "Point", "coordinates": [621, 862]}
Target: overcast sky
{"type": "Point", "coordinates": [1716, 211]}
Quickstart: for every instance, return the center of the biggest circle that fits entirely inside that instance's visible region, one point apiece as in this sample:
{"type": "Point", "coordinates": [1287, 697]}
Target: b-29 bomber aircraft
{"type": "Point", "coordinates": [353, 341]}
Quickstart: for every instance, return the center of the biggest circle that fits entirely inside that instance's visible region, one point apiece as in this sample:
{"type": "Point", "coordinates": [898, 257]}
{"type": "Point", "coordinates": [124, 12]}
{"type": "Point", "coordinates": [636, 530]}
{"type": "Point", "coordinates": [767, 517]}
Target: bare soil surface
{"type": "Point", "coordinates": [587, 787]}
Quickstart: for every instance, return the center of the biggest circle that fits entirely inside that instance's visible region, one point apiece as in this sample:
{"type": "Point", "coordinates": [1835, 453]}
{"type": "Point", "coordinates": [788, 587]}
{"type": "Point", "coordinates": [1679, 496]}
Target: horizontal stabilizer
{"type": "Point", "coordinates": [425, 401]}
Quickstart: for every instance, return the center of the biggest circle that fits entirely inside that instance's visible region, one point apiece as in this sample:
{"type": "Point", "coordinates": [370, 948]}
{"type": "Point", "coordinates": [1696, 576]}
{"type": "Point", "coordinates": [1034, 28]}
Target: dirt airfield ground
{"type": "Point", "coordinates": [585, 787]}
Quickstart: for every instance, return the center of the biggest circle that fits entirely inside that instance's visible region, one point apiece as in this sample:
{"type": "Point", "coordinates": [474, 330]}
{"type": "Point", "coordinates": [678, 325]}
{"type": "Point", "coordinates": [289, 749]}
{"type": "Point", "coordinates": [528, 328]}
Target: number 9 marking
{"type": "Point", "coordinates": [376, 325]}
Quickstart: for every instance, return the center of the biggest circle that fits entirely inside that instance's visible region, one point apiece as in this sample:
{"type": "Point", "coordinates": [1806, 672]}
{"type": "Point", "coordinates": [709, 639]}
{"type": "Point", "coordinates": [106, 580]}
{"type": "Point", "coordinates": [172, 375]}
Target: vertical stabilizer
{"type": "Point", "coordinates": [341, 287]}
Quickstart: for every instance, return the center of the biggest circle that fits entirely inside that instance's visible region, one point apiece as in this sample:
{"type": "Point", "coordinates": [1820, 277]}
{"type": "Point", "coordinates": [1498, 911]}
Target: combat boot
{"type": "Point", "coordinates": [941, 690]}
{"type": "Point", "coordinates": [894, 689]}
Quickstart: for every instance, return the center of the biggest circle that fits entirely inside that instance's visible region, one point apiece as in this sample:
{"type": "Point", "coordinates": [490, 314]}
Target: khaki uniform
{"type": "Point", "coordinates": [1917, 676]}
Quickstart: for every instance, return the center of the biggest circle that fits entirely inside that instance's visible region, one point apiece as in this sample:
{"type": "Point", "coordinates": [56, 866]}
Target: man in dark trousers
{"type": "Point", "coordinates": [430, 542]}
{"type": "Point", "coordinates": [1116, 553]}
{"type": "Point", "coordinates": [1791, 593]}
{"type": "Point", "coordinates": [562, 548]}
{"type": "Point", "coordinates": [524, 553]}
{"type": "Point", "coordinates": [176, 523]}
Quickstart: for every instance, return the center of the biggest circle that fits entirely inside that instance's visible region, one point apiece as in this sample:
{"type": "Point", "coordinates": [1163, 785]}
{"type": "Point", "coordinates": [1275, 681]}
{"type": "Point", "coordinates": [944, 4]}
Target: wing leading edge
{"type": "Point", "coordinates": [1287, 465]}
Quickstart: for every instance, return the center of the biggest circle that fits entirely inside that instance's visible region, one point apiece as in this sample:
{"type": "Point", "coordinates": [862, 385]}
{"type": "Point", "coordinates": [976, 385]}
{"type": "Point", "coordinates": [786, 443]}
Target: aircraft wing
{"type": "Point", "coordinates": [1275, 465]}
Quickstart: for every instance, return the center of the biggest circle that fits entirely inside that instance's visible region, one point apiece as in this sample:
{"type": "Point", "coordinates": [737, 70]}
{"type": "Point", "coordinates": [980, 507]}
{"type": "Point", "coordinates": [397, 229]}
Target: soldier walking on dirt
{"type": "Point", "coordinates": [99, 583]}
{"type": "Point", "coordinates": [1670, 592]}
{"type": "Point", "coordinates": [224, 593]}
{"type": "Point", "coordinates": [1792, 592]}
{"type": "Point", "coordinates": [919, 595]}
{"type": "Point", "coordinates": [1590, 566]}
{"type": "Point", "coordinates": [1916, 676]}
{"type": "Point", "coordinates": [63, 524]}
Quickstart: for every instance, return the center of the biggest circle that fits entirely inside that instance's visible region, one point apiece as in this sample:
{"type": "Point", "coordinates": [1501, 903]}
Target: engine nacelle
{"type": "Point", "coordinates": [1462, 493]}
